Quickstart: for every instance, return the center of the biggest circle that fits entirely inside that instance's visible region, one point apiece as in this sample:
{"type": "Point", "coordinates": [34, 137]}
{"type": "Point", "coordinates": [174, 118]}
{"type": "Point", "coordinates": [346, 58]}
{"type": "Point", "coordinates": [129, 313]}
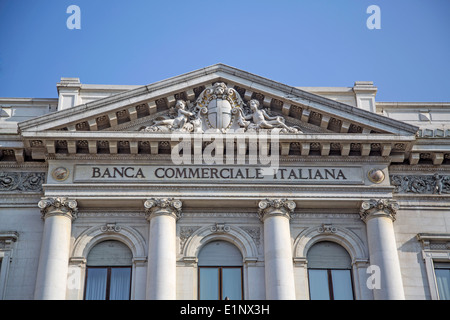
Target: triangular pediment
{"type": "Point", "coordinates": [141, 103]}
{"type": "Point", "coordinates": [120, 118]}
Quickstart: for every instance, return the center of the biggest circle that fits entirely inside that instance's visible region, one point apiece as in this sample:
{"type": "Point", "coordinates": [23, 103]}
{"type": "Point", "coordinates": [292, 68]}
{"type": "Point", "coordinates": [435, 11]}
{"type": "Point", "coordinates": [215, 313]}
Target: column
{"type": "Point", "coordinates": [51, 281]}
{"type": "Point", "coordinates": [379, 216]}
{"type": "Point", "coordinates": [279, 273]}
{"type": "Point", "coordinates": [162, 214]}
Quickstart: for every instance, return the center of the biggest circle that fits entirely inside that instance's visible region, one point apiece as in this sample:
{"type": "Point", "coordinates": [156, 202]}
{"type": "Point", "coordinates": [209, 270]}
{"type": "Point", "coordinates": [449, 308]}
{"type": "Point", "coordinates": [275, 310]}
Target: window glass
{"type": "Point", "coordinates": [442, 271]}
{"type": "Point", "coordinates": [318, 285]}
{"type": "Point", "coordinates": [342, 284]}
{"type": "Point", "coordinates": [209, 283]}
{"type": "Point", "coordinates": [96, 283]}
{"type": "Point", "coordinates": [120, 284]}
{"type": "Point", "coordinates": [232, 283]}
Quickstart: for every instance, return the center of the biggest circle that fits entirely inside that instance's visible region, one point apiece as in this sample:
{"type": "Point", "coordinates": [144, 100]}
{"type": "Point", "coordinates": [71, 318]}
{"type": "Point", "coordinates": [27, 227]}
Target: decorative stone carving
{"type": "Point", "coordinates": [261, 120]}
{"type": "Point", "coordinates": [178, 122]}
{"type": "Point", "coordinates": [220, 228]}
{"type": "Point", "coordinates": [58, 206]}
{"type": "Point", "coordinates": [110, 227]}
{"type": "Point", "coordinates": [376, 175]}
{"type": "Point", "coordinates": [423, 184]}
{"type": "Point", "coordinates": [22, 181]}
{"type": "Point", "coordinates": [326, 228]}
{"type": "Point", "coordinates": [163, 206]}
{"type": "Point", "coordinates": [271, 207]}
{"type": "Point", "coordinates": [254, 233]}
{"type": "Point", "coordinates": [185, 233]}
{"type": "Point", "coordinates": [60, 174]}
{"type": "Point", "coordinates": [378, 207]}
{"type": "Point", "coordinates": [219, 109]}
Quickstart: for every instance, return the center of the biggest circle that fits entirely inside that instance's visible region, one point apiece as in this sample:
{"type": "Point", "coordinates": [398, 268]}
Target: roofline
{"type": "Point", "coordinates": [226, 73]}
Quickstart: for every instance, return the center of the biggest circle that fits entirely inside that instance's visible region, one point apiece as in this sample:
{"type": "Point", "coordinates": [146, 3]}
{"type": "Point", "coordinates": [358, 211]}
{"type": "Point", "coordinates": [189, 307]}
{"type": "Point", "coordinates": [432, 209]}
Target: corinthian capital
{"type": "Point", "coordinates": [163, 206]}
{"type": "Point", "coordinates": [378, 207]}
{"type": "Point", "coordinates": [58, 206]}
{"type": "Point", "coordinates": [272, 207]}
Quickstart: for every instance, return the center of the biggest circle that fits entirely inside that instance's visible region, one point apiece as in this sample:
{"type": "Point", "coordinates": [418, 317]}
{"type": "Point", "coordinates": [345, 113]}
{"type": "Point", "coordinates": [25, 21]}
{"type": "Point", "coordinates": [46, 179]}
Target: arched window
{"type": "Point", "coordinates": [108, 272]}
{"type": "Point", "coordinates": [220, 271]}
{"type": "Point", "coordinates": [329, 272]}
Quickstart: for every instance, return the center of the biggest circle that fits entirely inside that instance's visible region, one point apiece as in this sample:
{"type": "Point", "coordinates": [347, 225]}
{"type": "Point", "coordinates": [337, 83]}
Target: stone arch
{"type": "Point", "coordinates": [342, 236]}
{"type": "Point", "coordinates": [94, 235]}
{"type": "Point", "coordinates": [232, 234]}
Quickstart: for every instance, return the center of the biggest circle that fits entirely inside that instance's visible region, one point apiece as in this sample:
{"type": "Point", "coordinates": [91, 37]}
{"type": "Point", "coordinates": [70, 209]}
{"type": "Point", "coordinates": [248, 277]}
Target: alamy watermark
{"type": "Point", "coordinates": [374, 20]}
{"type": "Point", "coordinates": [229, 148]}
{"type": "Point", "coordinates": [74, 20]}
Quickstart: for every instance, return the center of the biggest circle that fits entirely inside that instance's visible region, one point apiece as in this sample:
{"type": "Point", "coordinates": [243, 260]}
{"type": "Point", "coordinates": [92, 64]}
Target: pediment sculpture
{"type": "Point", "coordinates": [219, 109]}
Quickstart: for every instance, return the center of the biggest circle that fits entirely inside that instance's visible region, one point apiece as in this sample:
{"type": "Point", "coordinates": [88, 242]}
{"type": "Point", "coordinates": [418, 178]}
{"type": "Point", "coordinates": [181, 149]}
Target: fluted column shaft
{"type": "Point", "coordinates": [379, 216]}
{"type": "Point", "coordinates": [279, 272]}
{"type": "Point", "coordinates": [51, 281]}
{"type": "Point", "coordinates": [161, 273]}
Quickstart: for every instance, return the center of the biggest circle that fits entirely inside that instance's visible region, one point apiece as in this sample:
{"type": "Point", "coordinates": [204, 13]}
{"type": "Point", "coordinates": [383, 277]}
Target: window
{"type": "Point", "coordinates": [442, 271]}
{"type": "Point", "coordinates": [108, 272]}
{"type": "Point", "coordinates": [436, 253]}
{"type": "Point", "coordinates": [220, 272]}
{"type": "Point", "coordinates": [7, 240]}
{"type": "Point", "coordinates": [329, 272]}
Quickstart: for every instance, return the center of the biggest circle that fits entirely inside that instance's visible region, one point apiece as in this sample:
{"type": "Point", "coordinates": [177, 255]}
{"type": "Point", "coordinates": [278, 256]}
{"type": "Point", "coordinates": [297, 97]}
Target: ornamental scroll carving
{"type": "Point", "coordinates": [423, 184]}
{"type": "Point", "coordinates": [272, 207]}
{"type": "Point", "coordinates": [379, 207]}
{"type": "Point", "coordinates": [58, 206]}
{"type": "Point", "coordinates": [22, 181]}
{"type": "Point", "coordinates": [219, 109]}
{"type": "Point", "coordinates": [163, 206]}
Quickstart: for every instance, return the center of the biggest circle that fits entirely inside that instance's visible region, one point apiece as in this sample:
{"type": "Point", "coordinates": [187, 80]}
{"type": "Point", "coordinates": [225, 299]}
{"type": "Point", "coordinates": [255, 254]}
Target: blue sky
{"type": "Point", "coordinates": [296, 42]}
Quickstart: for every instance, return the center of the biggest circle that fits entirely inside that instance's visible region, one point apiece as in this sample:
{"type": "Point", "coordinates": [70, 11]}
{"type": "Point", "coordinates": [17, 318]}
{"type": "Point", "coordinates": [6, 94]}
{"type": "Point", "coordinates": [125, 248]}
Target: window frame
{"type": "Point", "coordinates": [220, 287]}
{"type": "Point", "coordinates": [435, 249]}
{"type": "Point", "coordinates": [7, 241]}
{"type": "Point", "coordinates": [447, 267]}
{"type": "Point", "coordinates": [108, 279]}
{"type": "Point", "coordinates": [330, 281]}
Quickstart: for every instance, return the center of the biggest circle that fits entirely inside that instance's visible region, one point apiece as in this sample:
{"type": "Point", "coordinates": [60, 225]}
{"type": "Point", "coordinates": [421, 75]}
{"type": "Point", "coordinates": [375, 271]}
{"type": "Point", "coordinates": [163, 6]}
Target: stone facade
{"type": "Point", "coordinates": [97, 164]}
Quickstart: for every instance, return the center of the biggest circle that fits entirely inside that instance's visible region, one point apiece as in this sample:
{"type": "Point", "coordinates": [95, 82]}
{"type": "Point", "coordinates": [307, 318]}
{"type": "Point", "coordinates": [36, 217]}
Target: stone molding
{"type": "Point", "coordinates": [7, 239]}
{"type": "Point", "coordinates": [196, 237]}
{"type": "Point", "coordinates": [58, 206]}
{"type": "Point", "coordinates": [434, 241]}
{"type": "Point", "coordinates": [163, 206]}
{"type": "Point", "coordinates": [378, 207]}
{"type": "Point", "coordinates": [345, 237]}
{"type": "Point", "coordinates": [275, 207]}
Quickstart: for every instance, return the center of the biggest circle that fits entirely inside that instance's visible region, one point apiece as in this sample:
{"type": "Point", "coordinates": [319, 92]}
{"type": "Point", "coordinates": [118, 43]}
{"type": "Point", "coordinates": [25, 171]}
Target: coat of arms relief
{"type": "Point", "coordinates": [219, 109]}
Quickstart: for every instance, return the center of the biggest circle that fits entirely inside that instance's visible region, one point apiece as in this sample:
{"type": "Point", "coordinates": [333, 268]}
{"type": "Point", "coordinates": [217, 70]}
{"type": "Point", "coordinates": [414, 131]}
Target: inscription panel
{"type": "Point", "coordinates": [217, 174]}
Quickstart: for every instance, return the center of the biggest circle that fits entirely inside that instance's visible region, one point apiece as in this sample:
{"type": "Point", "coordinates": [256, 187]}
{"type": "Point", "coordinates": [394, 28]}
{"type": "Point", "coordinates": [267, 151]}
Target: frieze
{"type": "Point", "coordinates": [22, 181]}
{"type": "Point", "coordinates": [421, 184]}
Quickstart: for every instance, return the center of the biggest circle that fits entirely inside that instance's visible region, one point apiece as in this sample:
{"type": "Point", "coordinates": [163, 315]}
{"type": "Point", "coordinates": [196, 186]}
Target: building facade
{"type": "Point", "coordinates": [221, 184]}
